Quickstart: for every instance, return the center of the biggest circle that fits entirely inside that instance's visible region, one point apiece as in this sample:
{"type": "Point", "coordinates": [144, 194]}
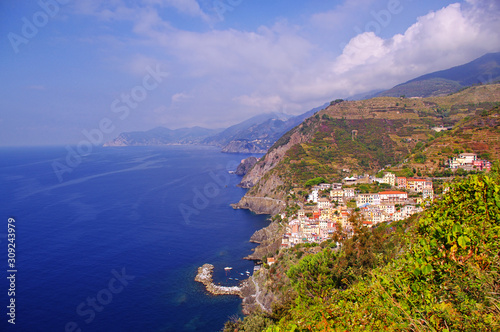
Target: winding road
{"type": "Point", "coordinates": [257, 293]}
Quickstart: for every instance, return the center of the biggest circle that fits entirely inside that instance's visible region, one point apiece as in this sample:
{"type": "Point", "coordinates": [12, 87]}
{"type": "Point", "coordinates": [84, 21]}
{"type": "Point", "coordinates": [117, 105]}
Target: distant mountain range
{"type": "Point", "coordinates": [483, 70]}
{"type": "Point", "coordinates": [259, 133]}
{"type": "Point", "coordinates": [163, 136]}
{"type": "Point", "coordinates": [255, 135]}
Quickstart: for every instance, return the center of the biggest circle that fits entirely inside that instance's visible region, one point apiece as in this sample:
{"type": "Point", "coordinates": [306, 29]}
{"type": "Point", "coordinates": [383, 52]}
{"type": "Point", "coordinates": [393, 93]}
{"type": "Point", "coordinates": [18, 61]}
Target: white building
{"type": "Point", "coordinates": [337, 194]}
{"type": "Point", "coordinates": [463, 159]}
{"type": "Point", "coordinates": [428, 194]}
{"type": "Point", "coordinates": [349, 193]}
{"type": "Point", "coordinates": [390, 196]}
{"type": "Point", "coordinates": [371, 199]}
{"type": "Point", "coordinates": [324, 203]}
{"type": "Point", "coordinates": [388, 208]}
{"type": "Point", "coordinates": [313, 197]}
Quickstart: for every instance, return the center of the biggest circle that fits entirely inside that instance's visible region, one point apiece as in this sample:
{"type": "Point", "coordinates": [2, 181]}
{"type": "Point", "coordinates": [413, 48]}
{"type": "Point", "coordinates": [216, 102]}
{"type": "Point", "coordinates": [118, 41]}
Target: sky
{"type": "Point", "coordinates": [91, 69]}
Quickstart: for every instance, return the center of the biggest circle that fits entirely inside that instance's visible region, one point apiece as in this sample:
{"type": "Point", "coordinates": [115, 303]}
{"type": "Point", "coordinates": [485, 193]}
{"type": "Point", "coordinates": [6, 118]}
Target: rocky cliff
{"type": "Point", "coordinates": [246, 165]}
{"type": "Point", "coordinates": [246, 146]}
{"type": "Point", "coordinates": [272, 158]}
{"type": "Point", "coordinates": [260, 205]}
{"type": "Point", "coordinates": [256, 294]}
{"type": "Point", "coordinates": [269, 240]}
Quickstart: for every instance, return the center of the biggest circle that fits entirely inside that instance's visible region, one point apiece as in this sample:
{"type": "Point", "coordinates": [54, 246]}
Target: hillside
{"type": "Point", "coordinates": [358, 137]}
{"type": "Point", "coordinates": [256, 131]}
{"type": "Point", "coordinates": [436, 272]}
{"type": "Point", "coordinates": [485, 69]}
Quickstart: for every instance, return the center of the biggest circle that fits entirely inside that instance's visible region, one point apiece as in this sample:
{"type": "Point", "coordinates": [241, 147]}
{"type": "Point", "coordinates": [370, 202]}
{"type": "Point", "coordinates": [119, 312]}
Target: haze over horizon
{"type": "Point", "coordinates": [127, 65]}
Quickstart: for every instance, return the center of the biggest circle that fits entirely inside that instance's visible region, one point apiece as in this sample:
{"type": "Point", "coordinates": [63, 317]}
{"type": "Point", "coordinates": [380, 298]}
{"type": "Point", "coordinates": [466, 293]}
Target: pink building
{"type": "Point", "coordinates": [401, 182]}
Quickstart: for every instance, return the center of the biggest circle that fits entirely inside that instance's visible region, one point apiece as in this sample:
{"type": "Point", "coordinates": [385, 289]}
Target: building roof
{"type": "Point", "coordinates": [392, 193]}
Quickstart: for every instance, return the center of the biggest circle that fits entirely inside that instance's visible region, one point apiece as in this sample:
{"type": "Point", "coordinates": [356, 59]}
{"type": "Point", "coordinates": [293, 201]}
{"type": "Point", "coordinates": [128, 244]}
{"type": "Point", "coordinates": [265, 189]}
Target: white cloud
{"type": "Point", "coordinates": [279, 68]}
{"type": "Point", "coordinates": [180, 97]}
{"type": "Point", "coordinates": [438, 40]}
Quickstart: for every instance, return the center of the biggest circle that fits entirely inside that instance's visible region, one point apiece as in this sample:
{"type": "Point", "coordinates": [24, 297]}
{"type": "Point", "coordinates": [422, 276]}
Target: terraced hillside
{"type": "Point", "coordinates": [356, 137]}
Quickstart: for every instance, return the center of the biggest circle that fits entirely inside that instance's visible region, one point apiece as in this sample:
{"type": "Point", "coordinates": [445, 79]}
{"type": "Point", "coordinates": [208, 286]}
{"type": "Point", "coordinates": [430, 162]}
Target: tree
{"type": "Point", "coordinates": [314, 182]}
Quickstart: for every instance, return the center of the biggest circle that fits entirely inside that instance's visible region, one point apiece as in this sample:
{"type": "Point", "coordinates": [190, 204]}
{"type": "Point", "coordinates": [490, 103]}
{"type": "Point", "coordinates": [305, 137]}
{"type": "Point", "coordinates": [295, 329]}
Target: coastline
{"type": "Point", "coordinates": [205, 276]}
{"type": "Point", "coordinates": [253, 292]}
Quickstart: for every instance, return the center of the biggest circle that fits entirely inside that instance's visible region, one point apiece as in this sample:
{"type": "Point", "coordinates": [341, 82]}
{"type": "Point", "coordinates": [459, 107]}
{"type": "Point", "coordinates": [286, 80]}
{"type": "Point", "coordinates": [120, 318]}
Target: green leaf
{"type": "Point", "coordinates": [463, 241]}
{"type": "Point", "coordinates": [427, 269]}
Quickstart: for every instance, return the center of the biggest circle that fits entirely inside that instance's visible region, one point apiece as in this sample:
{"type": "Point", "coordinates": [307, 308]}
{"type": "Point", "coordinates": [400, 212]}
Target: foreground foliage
{"type": "Point", "coordinates": [447, 279]}
{"type": "Point", "coordinates": [437, 273]}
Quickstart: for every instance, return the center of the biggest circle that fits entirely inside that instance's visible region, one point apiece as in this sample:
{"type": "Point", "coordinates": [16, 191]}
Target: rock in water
{"type": "Point", "coordinates": [205, 277]}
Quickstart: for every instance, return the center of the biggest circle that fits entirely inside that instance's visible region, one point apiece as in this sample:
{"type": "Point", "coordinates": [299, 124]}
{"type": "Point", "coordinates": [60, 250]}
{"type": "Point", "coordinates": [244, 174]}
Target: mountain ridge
{"type": "Point", "coordinates": [254, 135]}
{"type": "Point", "coordinates": [483, 70]}
{"type": "Point", "coordinates": [358, 137]}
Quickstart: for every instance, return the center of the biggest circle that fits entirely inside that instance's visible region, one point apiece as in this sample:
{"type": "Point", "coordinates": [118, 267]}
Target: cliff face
{"type": "Point", "coordinates": [272, 158]}
{"type": "Point", "coordinates": [246, 165]}
{"type": "Point", "coordinates": [266, 195]}
{"type": "Point", "coordinates": [256, 294]}
{"type": "Point", "coordinates": [260, 205]}
{"type": "Point", "coordinates": [269, 239]}
{"type": "Point", "coordinates": [245, 146]}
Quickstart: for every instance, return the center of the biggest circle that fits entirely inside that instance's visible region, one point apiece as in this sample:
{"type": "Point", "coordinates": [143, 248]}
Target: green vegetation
{"type": "Point", "coordinates": [447, 279]}
{"type": "Point", "coordinates": [435, 272]}
{"type": "Point", "coordinates": [365, 136]}
{"type": "Point", "coordinates": [314, 182]}
{"type": "Point", "coordinates": [335, 144]}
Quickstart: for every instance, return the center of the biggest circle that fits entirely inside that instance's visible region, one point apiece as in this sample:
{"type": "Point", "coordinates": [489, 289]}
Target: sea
{"type": "Point", "coordinates": [111, 239]}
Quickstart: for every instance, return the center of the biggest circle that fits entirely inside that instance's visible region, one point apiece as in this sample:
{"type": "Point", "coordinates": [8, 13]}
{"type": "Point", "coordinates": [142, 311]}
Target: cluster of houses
{"type": "Point", "coordinates": [330, 206]}
{"type": "Point", "coordinates": [469, 162]}
{"type": "Point", "coordinates": [327, 208]}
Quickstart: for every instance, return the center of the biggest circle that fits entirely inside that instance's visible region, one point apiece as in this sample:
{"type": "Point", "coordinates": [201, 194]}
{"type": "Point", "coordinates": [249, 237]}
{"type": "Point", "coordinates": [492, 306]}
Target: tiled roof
{"type": "Point", "coordinates": [391, 193]}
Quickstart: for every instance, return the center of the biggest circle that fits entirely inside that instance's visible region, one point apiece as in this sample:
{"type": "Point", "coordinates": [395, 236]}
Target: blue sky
{"type": "Point", "coordinates": [69, 67]}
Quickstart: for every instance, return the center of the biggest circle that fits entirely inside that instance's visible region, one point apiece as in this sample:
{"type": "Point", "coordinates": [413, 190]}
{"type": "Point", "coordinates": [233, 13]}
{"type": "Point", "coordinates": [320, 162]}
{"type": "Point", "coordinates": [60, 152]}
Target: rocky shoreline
{"type": "Point", "coordinates": [205, 276]}
{"type": "Point", "coordinates": [260, 205]}
{"type": "Point", "coordinates": [253, 291]}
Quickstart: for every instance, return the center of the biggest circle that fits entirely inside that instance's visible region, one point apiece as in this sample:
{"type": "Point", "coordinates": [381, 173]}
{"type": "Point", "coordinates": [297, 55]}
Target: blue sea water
{"type": "Point", "coordinates": [113, 232]}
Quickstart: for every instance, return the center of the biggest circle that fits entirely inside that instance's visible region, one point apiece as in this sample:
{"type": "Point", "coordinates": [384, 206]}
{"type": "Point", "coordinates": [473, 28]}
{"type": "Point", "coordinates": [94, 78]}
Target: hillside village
{"type": "Point", "coordinates": [328, 207]}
